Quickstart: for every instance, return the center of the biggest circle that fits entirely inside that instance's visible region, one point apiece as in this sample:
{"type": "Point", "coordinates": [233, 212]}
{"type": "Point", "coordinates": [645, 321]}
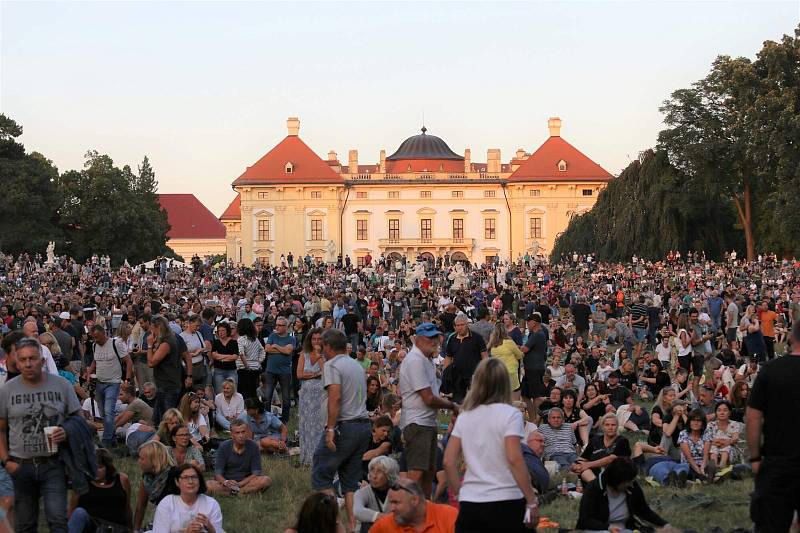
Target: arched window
{"type": "Point", "coordinates": [289, 167]}
{"type": "Point", "coordinates": [562, 166]}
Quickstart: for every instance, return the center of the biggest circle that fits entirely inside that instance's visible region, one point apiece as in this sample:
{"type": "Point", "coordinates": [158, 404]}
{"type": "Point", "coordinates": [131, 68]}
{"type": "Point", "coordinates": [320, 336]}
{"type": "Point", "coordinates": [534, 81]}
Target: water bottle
{"type": "Point", "coordinates": [564, 489]}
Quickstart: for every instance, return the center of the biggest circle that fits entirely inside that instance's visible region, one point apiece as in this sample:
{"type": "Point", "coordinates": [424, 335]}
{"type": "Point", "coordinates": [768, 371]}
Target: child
{"type": "Point", "coordinates": [603, 369]}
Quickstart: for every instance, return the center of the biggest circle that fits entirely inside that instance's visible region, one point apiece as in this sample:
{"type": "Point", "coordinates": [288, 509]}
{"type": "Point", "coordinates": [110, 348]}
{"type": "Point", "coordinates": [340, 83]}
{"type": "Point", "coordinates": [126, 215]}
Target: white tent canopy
{"type": "Point", "coordinates": [170, 262]}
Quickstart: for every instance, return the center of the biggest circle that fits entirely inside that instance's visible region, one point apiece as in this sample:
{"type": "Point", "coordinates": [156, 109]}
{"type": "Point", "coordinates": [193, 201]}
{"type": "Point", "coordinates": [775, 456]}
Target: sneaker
{"type": "Point", "coordinates": [683, 477]}
{"type": "Point", "coordinates": [723, 473]}
{"type": "Point", "coordinates": [652, 482]}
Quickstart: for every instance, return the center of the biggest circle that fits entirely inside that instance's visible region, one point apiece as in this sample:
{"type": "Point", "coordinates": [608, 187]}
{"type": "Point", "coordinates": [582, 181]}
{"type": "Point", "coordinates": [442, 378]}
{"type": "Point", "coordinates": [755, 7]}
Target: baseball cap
{"type": "Point", "coordinates": [428, 329]}
{"type": "Point", "coordinates": [536, 317]}
{"type": "Point", "coordinates": [64, 315]}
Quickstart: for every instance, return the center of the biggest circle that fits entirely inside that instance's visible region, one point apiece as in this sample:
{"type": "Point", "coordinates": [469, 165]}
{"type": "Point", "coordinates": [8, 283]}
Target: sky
{"type": "Point", "coordinates": [204, 88]}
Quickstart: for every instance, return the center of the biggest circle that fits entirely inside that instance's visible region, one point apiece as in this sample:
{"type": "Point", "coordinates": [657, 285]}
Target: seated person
{"type": "Point", "coordinates": [633, 417]}
{"type": "Point", "coordinates": [319, 512]}
{"type": "Point", "coordinates": [229, 404]}
{"type": "Point", "coordinates": [107, 502]}
{"type": "Point", "coordinates": [188, 508]}
{"type": "Point", "coordinates": [532, 454]}
{"type": "Point", "coordinates": [572, 380]}
{"type": "Point", "coordinates": [390, 406]}
{"type": "Point", "coordinates": [617, 394]}
{"type": "Point", "coordinates": [614, 501]}
{"type": "Point", "coordinates": [553, 400]}
{"type": "Point", "coordinates": [659, 465]}
{"type": "Point", "coordinates": [183, 451]}
{"type": "Point", "coordinates": [136, 409]}
{"type": "Point", "coordinates": [602, 450]}
{"type": "Point", "coordinates": [723, 434]}
{"type": "Point", "coordinates": [237, 464]}
{"type": "Point", "coordinates": [371, 501]}
{"type": "Point", "coordinates": [267, 429]}
{"type": "Point", "coordinates": [412, 512]}
{"type": "Point", "coordinates": [379, 444]}
{"type": "Point", "coordinates": [559, 439]}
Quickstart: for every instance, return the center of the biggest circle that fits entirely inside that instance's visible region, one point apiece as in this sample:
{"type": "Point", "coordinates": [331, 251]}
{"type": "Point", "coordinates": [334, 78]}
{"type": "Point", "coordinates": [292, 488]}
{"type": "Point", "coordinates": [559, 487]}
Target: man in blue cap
{"type": "Point", "coordinates": [420, 392]}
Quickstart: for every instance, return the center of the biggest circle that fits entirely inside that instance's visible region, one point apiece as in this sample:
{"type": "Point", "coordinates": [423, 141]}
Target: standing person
{"type": "Point", "coordinates": [348, 428]}
{"type": "Point", "coordinates": [224, 353]}
{"type": "Point", "coordinates": [464, 350]}
{"type": "Point", "coordinates": [496, 493]}
{"type": "Point", "coordinates": [772, 440]}
{"type": "Point", "coordinates": [767, 317]}
{"type": "Point", "coordinates": [137, 350]}
{"type": "Point", "coordinates": [280, 347]}
{"type": "Point", "coordinates": [164, 358]}
{"type": "Point", "coordinates": [421, 402]}
{"type": "Point", "coordinates": [581, 312]}
{"type": "Point", "coordinates": [198, 349]}
{"type": "Point", "coordinates": [534, 362]}
{"type": "Point", "coordinates": [29, 404]}
{"type": "Point", "coordinates": [251, 355]}
{"type": "Point", "coordinates": [638, 321]}
{"type": "Point", "coordinates": [506, 350]}
{"type": "Point", "coordinates": [309, 373]}
{"type": "Point", "coordinates": [110, 355]}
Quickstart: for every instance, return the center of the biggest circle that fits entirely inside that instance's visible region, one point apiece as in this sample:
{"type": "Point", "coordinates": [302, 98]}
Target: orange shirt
{"type": "Point", "coordinates": [768, 322]}
{"type": "Point", "coordinates": [440, 518]}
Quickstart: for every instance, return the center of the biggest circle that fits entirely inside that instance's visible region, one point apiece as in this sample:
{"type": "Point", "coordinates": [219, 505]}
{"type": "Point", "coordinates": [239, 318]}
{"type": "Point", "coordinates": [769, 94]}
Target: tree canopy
{"type": "Point", "coordinates": [100, 209]}
{"type": "Point", "coordinates": [732, 142]}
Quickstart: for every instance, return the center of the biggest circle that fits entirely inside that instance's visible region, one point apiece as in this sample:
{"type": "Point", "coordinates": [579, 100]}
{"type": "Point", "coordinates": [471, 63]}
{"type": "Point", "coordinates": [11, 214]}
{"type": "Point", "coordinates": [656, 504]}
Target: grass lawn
{"type": "Point", "coordinates": [697, 507]}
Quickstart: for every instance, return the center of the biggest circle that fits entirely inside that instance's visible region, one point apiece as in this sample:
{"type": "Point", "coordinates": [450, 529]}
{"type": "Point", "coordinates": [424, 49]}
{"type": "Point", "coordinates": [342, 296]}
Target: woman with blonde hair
{"type": "Point", "coordinates": [496, 493]}
{"type": "Point", "coordinates": [506, 350]}
{"type": "Point", "coordinates": [156, 463]}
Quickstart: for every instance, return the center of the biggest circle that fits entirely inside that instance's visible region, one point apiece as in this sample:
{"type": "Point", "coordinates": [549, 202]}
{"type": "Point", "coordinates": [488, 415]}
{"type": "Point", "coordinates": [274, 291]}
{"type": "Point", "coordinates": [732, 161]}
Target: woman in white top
{"type": "Point", "coordinates": [229, 404]}
{"type": "Point", "coordinates": [194, 419]}
{"type": "Point", "coordinates": [496, 493]}
{"type": "Point", "coordinates": [188, 509]}
{"type": "Point", "coordinates": [251, 354]}
{"type": "Point", "coordinates": [556, 368]}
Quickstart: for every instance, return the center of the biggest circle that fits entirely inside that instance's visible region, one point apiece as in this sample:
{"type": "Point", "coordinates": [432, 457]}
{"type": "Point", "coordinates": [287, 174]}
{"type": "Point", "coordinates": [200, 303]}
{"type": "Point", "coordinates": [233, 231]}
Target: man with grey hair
{"type": "Point", "coordinates": [559, 439]}
{"type": "Point", "coordinates": [348, 428]}
{"type": "Point", "coordinates": [464, 350]}
{"type": "Point", "coordinates": [410, 511]}
{"type": "Point", "coordinates": [31, 330]}
{"type": "Point", "coordinates": [33, 406]}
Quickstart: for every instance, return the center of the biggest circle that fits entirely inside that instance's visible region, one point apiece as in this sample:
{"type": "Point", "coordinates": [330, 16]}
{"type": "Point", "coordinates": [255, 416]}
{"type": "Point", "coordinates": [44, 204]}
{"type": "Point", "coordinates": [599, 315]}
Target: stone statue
{"type": "Point", "coordinates": [501, 276]}
{"type": "Point", "coordinates": [458, 276]}
{"type": "Point", "coordinates": [415, 275]}
{"type": "Point", "coordinates": [51, 253]}
{"type": "Point", "coordinates": [535, 248]}
{"type": "Point", "coordinates": [331, 251]}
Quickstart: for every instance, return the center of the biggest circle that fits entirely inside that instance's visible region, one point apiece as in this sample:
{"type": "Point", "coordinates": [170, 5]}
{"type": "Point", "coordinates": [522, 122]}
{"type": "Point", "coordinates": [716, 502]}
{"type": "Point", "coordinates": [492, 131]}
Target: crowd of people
{"type": "Point", "coordinates": [417, 401]}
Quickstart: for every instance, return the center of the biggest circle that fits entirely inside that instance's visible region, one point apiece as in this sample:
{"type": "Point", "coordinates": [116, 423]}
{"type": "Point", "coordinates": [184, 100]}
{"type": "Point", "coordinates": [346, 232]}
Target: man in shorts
{"type": "Point", "coordinates": [419, 390]}
{"type": "Point", "coordinates": [534, 361]}
{"type": "Point", "coordinates": [700, 335]}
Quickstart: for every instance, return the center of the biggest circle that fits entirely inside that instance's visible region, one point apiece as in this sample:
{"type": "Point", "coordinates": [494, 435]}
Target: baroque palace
{"type": "Point", "coordinates": [424, 199]}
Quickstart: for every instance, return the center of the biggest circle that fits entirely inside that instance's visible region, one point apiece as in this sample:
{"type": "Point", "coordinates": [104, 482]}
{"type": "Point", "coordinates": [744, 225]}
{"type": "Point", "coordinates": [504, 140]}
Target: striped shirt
{"type": "Point", "coordinates": [561, 440]}
{"type": "Point", "coordinates": [638, 311]}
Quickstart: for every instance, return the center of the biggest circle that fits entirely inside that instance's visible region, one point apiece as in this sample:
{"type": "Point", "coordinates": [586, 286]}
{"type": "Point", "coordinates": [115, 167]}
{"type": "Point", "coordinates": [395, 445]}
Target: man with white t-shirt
{"type": "Point", "coordinates": [419, 391]}
{"type": "Point", "coordinates": [664, 351]}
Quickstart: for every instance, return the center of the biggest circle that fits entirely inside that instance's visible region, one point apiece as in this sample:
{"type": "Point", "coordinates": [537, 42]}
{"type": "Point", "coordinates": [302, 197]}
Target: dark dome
{"type": "Point", "coordinates": [424, 146]}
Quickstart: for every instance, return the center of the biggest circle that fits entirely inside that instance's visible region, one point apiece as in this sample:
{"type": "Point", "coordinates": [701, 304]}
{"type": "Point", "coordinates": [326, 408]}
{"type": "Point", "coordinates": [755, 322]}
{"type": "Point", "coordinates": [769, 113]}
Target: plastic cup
{"type": "Point", "coordinates": [52, 447]}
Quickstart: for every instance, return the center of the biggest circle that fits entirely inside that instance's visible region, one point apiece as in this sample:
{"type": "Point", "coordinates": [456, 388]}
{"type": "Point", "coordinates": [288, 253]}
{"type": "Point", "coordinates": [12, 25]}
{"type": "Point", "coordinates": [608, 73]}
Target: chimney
{"type": "Point", "coordinates": [383, 162]}
{"type": "Point", "coordinates": [467, 160]}
{"type": "Point", "coordinates": [293, 125]}
{"type": "Point", "coordinates": [520, 154]}
{"type": "Point", "coordinates": [554, 125]}
{"type": "Point", "coordinates": [332, 156]}
{"type": "Point", "coordinates": [493, 160]}
{"type": "Point", "coordinates": [353, 161]}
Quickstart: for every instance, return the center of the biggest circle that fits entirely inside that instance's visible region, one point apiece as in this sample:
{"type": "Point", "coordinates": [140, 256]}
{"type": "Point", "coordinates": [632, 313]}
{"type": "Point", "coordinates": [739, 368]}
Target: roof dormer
{"type": "Point", "coordinates": [562, 166]}
{"type": "Point", "coordinates": [289, 167]}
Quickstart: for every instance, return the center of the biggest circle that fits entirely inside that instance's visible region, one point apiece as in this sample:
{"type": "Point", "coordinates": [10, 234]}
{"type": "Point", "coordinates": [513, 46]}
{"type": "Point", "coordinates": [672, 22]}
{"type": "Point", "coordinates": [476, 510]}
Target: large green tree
{"type": "Point", "coordinates": [111, 210]}
{"type": "Point", "coordinates": [735, 134]}
{"type": "Point", "coordinates": [30, 195]}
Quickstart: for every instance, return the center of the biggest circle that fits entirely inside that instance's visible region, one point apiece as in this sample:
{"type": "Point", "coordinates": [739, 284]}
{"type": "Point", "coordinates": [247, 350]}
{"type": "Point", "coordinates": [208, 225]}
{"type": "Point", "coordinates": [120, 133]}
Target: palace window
{"type": "Point", "coordinates": [489, 194]}
{"type": "Point", "coordinates": [263, 195]}
{"type": "Point", "coordinates": [536, 192]}
{"type": "Point", "coordinates": [394, 194]}
{"type": "Point", "coordinates": [263, 230]}
{"type": "Point", "coordinates": [289, 168]}
{"type": "Point", "coordinates": [316, 229]}
{"type": "Point", "coordinates": [360, 262]}
{"type": "Point", "coordinates": [458, 228]}
{"type": "Point", "coordinates": [361, 195]}
{"type": "Point", "coordinates": [536, 228]}
{"type": "Point", "coordinates": [361, 230]}
{"type": "Point", "coordinates": [425, 228]}
{"type": "Point", "coordinates": [562, 166]}
{"type": "Point", "coordinates": [316, 194]}
{"type": "Point", "coordinates": [457, 194]}
{"type": "Point", "coordinates": [587, 192]}
{"type": "Point", "coordinates": [394, 228]}
{"type": "Point", "coordinates": [424, 194]}
{"type": "Point", "coordinates": [489, 228]}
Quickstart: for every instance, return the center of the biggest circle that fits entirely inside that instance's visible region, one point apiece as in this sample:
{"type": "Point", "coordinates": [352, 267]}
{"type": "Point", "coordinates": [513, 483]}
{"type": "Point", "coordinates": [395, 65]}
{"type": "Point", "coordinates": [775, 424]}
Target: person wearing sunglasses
{"type": "Point", "coordinates": [411, 511]}
{"type": "Point", "coordinates": [188, 509]}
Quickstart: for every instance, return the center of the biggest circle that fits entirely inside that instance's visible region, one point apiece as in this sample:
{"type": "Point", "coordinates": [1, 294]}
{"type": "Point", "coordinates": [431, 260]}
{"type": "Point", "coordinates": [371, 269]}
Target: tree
{"type": "Point", "coordinates": [30, 195]}
{"type": "Point", "coordinates": [107, 210]}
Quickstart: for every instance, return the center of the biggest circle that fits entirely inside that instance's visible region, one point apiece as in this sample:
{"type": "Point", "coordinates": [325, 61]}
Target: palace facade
{"type": "Point", "coordinates": [424, 199]}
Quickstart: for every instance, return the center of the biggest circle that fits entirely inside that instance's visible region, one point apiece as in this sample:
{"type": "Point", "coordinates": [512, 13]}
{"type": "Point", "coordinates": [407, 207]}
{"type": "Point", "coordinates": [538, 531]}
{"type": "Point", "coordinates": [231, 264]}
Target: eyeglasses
{"type": "Point", "coordinates": [398, 486]}
{"type": "Point", "coordinates": [188, 478]}
{"type": "Point", "coordinates": [181, 434]}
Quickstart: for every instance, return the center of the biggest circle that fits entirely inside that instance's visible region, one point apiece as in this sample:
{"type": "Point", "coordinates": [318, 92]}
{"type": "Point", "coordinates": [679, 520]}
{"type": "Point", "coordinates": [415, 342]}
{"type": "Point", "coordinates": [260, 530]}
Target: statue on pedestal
{"type": "Point", "coordinates": [415, 275]}
{"type": "Point", "coordinates": [51, 253]}
{"type": "Point", "coordinates": [331, 251]}
{"type": "Point", "coordinates": [458, 276]}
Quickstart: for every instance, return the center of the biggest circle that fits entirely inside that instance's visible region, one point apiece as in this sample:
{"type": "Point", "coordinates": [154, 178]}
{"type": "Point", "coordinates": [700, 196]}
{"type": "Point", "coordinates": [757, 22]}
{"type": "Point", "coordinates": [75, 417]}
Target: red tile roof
{"type": "Point", "coordinates": [189, 218]}
{"type": "Point", "coordinates": [234, 210]}
{"type": "Point", "coordinates": [308, 167]}
{"type": "Point", "coordinates": [542, 165]}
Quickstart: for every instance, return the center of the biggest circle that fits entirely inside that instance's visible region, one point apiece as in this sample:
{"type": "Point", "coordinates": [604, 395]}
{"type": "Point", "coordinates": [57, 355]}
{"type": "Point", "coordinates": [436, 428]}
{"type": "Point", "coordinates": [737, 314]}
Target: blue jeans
{"type": "Point", "coordinates": [165, 400]}
{"type": "Point", "coordinates": [564, 460]}
{"type": "Point", "coordinates": [79, 521]}
{"type": "Point", "coordinates": [136, 439]}
{"type": "Point", "coordinates": [222, 422]}
{"type": "Point", "coordinates": [351, 442]}
{"type": "Point", "coordinates": [221, 375]}
{"type": "Point", "coordinates": [106, 396]}
{"type": "Point", "coordinates": [286, 392]}
{"type": "Point", "coordinates": [661, 470]}
{"type": "Point", "coordinates": [48, 482]}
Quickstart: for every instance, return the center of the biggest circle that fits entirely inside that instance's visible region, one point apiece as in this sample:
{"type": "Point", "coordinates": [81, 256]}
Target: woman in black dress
{"type": "Point", "coordinates": [106, 504]}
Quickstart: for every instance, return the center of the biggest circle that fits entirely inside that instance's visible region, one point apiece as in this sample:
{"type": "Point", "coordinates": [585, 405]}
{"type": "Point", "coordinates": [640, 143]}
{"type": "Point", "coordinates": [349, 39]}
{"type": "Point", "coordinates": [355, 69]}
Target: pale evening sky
{"type": "Point", "coordinates": [204, 88]}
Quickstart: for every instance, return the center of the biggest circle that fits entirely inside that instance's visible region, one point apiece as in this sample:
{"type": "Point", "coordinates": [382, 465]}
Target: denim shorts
{"type": "Point", "coordinates": [6, 485]}
{"type": "Point", "coordinates": [351, 442]}
{"type": "Point", "coordinates": [640, 334]}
